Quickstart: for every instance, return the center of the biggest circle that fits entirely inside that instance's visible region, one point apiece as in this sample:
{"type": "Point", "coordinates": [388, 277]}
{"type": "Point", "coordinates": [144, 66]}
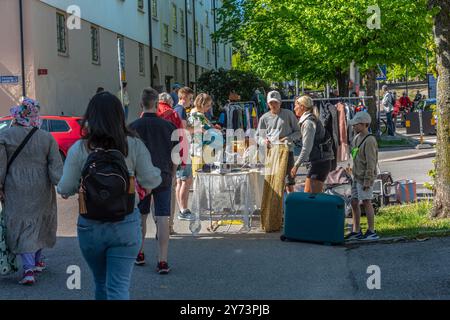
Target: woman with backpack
{"type": "Point", "coordinates": [316, 150]}
{"type": "Point", "coordinates": [102, 168]}
{"type": "Point", "coordinates": [30, 167]}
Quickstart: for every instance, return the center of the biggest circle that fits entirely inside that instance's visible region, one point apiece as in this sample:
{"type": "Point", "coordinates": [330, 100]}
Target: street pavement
{"type": "Point", "coordinates": [251, 266]}
{"type": "Point", "coordinates": [255, 265]}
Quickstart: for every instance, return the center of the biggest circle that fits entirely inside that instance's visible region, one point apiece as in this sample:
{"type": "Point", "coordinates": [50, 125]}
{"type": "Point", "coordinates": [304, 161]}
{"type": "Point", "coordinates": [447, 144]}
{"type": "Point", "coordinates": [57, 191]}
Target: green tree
{"type": "Point", "coordinates": [441, 31]}
{"type": "Point", "coordinates": [317, 40]}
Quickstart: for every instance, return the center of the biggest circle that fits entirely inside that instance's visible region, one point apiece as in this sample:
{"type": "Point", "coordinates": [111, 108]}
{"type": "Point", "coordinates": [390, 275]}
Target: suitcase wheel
{"type": "Point", "coordinates": [283, 238]}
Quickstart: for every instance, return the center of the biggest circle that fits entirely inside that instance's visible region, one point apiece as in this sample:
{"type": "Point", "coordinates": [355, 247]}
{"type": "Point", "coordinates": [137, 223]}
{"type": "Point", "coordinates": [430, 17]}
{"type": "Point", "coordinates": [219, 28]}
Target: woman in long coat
{"type": "Point", "coordinates": [28, 188]}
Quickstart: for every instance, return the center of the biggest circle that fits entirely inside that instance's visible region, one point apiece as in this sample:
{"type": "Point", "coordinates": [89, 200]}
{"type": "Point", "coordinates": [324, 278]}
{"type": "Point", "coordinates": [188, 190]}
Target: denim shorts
{"type": "Point", "coordinates": [184, 173]}
{"type": "Point", "coordinates": [161, 198]}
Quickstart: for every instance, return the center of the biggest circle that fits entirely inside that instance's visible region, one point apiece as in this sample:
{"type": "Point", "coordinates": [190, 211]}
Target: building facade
{"type": "Point", "coordinates": [66, 59]}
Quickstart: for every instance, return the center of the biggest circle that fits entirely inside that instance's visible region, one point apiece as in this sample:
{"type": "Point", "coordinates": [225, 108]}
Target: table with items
{"type": "Point", "coordinates": [226, 199]}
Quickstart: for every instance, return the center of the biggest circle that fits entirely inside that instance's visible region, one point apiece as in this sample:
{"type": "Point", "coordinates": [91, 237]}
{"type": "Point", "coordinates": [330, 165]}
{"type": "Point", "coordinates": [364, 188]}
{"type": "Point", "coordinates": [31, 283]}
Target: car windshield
{"type": "Point", "coordinates": [4, 124]}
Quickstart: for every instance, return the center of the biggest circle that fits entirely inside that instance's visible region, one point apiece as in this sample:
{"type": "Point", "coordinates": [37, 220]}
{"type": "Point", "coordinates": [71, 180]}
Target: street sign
{"type": "Point", "coordinates": [382, 75]}
{"type": "Point", "coordinates": [9, 80]}
{"type": "Point", "coordinates": [432, 86]}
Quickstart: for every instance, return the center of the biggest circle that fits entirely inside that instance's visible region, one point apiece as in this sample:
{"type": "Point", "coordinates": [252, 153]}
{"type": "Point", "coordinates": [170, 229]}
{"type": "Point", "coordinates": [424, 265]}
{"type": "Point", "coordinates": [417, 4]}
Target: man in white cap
{"type": "Point", "coordinates": [279, 126]}
{"type": "Point", "coordinates": [365, 159]}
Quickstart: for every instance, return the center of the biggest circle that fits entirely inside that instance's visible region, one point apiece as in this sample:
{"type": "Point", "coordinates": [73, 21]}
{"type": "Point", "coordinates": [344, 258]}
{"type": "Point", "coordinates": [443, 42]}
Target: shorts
{"type": "Point", "coordinates": [359, 194]}
{"type": "Point", "coordinates": [161, 198]}
{"type": "Point", "coordinates": [290, 181]}
{"type": "Point", "coordinates": [319, 170]}
{"type": "Point", "coordinates": [184, 173]}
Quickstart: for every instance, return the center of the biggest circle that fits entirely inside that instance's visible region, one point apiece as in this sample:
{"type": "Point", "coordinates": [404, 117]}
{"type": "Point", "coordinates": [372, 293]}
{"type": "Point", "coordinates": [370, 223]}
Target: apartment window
{"type": "Point", "coordinates": [182, 21]}
{"type": "Point", "coordinates": [202, 36]}
{"type": "Point", "coordinates": [61, 33]}
{"type": "Point", "coordinates": [140, 5]}
{"type": "Point", "coordinates": [174, 17]}
{"type": "Point", "coordinates": [207, 19]}
{"type": "Point", "coordinates": [183, 71]}
{"type": "Point", "coordinates": [175, 69]}
{"type": "Point", "coordinates": [208, 56]}
{"type": "Point", "coordinates": [165, 34]}
{"type": "Point", "coordinates": [196, 33]}
{"type": "Point", "coordinates": [95, 45]}
{"type": "Point", "coordinates": [141, 59]}
{"type": "Point", "coordinates": [155, 8]}
{"type": "Point", "coordinates": [225, 53]}
{"type": "Point", "coordinates": [190, 47]}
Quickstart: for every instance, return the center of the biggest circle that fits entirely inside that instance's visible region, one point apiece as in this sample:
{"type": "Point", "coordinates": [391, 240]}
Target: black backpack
{"type": "Point", "coordinates": [107, 190]}
{"type": "Point", "coordinates": [323, 142]}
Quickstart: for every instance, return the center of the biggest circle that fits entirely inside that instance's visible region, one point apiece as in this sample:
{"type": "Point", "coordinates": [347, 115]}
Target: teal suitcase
{"type": "Point", "coordinates": [314, 218]}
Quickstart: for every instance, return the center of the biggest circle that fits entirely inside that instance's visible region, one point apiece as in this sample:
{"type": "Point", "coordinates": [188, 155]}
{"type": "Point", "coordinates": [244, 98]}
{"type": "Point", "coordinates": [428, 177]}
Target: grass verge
{"type": "Point", "coordinates": [393, 143]}
{"type": "Point", "coordinates": [410, 221]}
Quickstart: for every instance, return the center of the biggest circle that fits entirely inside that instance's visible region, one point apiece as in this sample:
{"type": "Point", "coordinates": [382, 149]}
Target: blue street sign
{"type": "Point", "coordinates": [9, 79]}
{"type": "Point", "coordinates": [432, 86]}
{"type": "Point", "coordinates": [382, 75]}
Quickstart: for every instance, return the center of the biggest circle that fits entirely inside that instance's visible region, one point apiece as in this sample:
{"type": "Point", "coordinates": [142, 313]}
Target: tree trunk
{"type": "Point", "coordinates": [342, 81]}
{"type": "Point", "coordinates": [371, 91]}
{"type": "Point", "coordinates": [441, 208]}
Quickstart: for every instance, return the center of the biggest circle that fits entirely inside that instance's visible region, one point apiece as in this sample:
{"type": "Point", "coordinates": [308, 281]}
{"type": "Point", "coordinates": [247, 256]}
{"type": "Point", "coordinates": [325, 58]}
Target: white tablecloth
{"type": "Point", "coordinates": [230, 196]}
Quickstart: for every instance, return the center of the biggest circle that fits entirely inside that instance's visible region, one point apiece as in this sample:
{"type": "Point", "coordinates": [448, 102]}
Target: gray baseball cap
{"type": "Point", "coordinates": [274, 96]}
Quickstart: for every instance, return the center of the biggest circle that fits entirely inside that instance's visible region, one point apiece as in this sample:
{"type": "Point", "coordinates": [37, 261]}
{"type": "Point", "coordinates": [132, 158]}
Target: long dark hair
{"type": "Point", "coordinates": [104, 124]}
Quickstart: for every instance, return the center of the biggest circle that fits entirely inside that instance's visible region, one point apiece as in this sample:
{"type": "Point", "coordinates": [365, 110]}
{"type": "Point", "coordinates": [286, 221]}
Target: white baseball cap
{"type": "Point", "coordinates": [361, 117]}
{"type": "Point", "coordinates": [274, 96]}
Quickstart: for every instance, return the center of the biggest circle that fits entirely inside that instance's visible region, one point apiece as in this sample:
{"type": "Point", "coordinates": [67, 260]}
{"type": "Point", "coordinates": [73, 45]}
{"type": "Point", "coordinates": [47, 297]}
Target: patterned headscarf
{"type": "Point", "coordinates": [27, 113]}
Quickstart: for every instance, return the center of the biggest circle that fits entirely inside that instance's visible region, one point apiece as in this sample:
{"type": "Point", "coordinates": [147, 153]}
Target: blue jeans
{"type": "Point", "coordinates": [390, 124]}
{"type": "Point", "coordinates": [110, 250]}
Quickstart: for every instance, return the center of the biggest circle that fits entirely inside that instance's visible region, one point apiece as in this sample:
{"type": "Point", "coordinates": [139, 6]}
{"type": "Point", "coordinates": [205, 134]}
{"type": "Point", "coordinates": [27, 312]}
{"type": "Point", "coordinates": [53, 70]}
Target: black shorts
{"type": "Point", "coordinates": [319, 170]}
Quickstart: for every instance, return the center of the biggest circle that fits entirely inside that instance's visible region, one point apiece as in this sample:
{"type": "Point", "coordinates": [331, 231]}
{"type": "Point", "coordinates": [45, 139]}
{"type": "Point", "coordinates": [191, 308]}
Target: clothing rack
{"type": "Point", "coordinates": [335, 99]}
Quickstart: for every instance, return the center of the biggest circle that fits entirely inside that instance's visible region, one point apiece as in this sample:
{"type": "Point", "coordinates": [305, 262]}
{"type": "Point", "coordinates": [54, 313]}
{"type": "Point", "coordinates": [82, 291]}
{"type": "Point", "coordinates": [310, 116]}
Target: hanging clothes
{"type": "Point", "coordinates": [343, 149]}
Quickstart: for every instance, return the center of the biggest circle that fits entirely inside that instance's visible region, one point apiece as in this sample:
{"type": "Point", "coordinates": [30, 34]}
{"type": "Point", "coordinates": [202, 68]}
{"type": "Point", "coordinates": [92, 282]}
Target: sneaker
{"type": "Point", "coordinates": [162, 268]}
{"type": "Point", "coordinates": [40, 266]}
{"type": "Point", "coordinates": [370, 236]}
{"type": "Point", "coordinates": [354, 236]}
{"type": "Point", "coordinates": [28, 278]}
{"type": "Point", "coordinates": [186, 215]}
{"type": "Point", "coordinates": [140, 260]}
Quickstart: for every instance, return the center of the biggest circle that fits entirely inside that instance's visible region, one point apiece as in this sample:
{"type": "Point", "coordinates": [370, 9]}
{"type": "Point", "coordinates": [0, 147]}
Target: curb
{"type": "Point", "coordinates": [423, 155]}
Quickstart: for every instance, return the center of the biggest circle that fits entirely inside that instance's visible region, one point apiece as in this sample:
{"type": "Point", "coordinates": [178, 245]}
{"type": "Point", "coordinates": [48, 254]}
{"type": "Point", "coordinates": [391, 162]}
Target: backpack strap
{"type": "Point", "coordinates": [364, 140]}
{"type": "Point", "coordinates": [20, 148]}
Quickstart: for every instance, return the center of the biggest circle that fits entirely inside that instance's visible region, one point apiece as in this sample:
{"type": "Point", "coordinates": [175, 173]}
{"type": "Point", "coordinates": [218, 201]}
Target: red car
{"type": "Point", "coordinates": [65, 130]}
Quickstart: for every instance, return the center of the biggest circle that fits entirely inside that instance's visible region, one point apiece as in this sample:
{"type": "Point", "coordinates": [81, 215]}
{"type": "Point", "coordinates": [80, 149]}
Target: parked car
{"type": "Point", "coordinates": [65, 130]}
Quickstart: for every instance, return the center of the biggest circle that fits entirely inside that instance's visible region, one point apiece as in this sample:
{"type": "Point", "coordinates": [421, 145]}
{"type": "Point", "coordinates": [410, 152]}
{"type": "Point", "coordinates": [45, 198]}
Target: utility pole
{"type": "Point", "coordinates": [22, 49]}
{"type": "Point", "coordinates": [215, 30]}
{"type": "Point", "coordinates": [150, 40]}
{"type": "Point", "coordinates": [186, 21]}
{"type": "Point", "coordinates": [195, 45]}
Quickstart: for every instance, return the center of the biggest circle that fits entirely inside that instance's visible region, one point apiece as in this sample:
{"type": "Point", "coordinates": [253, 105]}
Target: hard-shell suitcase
{"type": "Point", "coordinates": [314, 218]}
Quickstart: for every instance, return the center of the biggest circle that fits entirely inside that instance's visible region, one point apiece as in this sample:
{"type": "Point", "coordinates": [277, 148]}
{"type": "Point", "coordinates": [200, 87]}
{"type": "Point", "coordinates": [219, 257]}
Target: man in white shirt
{"type": "Point", "coordinates": [388, 105]}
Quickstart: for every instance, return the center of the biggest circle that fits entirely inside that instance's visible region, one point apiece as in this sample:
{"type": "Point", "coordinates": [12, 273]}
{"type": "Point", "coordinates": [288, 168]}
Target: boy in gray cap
{"type": "Point", "coordinates": [365, 159]}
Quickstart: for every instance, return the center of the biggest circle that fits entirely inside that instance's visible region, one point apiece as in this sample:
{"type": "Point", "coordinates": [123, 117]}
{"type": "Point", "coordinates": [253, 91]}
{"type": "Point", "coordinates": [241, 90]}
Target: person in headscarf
{"type": "Point", "coordinates": [27, 187]}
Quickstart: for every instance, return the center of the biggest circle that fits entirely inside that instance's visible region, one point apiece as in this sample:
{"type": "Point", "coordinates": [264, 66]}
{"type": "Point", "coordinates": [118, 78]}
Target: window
{"type": "Point", "coordinates": [44, 125]}
{"type": "Point", "coordinates": [175, 69]}
{"type": "Point", "coordinates": [174, 18]}
{"type": "Point", "coordinates": [208, 56]}
{"type": "Point", "coordinates": [196, 33]}
{"type": "Point", "coordinates": [202, 36]}
{"type": "Point", "coordinates": [165, 34]}
{"type": "Point", "coordinates": [155, 8]}
{"type": "Point", "coordinates": [141, 5]}
{"type": "Point", "coordinates": [95, 45]}
{"type": "Point", "coordinates": [4, 124]}
{"type": "Point", "coordinates": [182, 21]}
{"type": "Point", "coordinates": [207, 19]}
{"type": "Point", "coordinates": [224, 53]}
{"type": "Point", "coordinates": [183, 72]}
{"type": "Point", "coordinates": [141, 59]}
{"type": "Point", "coordinates": [59, 126]}
{"type": "Point", "coordinates": [61, 33]}
{"type": "Point", "coordinates": [190, 47]}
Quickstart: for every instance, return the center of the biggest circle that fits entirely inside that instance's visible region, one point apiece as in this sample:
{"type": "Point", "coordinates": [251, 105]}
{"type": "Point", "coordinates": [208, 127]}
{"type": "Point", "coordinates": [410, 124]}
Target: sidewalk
{"type": "Point", "coordinates": [430, 139]}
